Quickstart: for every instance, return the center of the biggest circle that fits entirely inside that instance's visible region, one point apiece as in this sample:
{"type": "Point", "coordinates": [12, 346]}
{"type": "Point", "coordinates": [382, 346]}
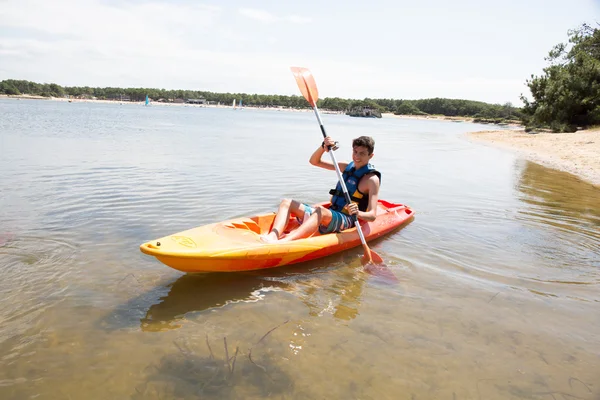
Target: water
{"type": "Point", "coordinates": [499, 272]}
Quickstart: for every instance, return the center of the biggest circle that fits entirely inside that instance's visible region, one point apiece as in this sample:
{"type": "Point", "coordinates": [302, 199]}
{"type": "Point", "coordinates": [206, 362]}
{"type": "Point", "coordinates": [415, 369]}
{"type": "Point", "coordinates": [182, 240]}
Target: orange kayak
{"type": "Point", "coordinates": [235, 245]}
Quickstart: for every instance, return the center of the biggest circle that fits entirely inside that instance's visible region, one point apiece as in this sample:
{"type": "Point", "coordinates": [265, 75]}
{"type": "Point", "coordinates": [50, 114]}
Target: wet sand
{"type": "Point", "coordinates": [577, 153]}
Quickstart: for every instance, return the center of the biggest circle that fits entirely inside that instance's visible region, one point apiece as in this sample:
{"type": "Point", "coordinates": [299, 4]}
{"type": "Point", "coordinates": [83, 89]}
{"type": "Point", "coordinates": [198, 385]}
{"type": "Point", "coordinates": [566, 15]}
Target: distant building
{"type": "Point", "coordinates": [200, 100]}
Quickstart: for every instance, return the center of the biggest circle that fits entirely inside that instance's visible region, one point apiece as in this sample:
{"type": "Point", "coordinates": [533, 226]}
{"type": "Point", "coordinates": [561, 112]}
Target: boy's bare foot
{"type": "Point", "coordinates": [271, 237]}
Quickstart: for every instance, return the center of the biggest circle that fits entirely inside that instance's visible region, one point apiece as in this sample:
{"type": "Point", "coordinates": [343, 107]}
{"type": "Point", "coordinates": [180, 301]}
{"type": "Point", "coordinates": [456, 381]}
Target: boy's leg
{"type": "Point", "coordinates": [321, 216]}
{"type": "Point", "coordinates": [286, 208]}
{"type": "Point", "coordinates": [339, 222]}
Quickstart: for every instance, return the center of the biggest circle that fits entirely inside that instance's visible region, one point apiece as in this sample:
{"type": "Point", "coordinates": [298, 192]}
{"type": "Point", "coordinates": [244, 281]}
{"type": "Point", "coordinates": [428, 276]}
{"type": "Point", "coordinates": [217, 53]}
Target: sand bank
{"type": "Point", "coordinates": [577, 153]}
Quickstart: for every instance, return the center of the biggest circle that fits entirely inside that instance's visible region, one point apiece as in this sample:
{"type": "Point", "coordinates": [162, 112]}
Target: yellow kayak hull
{"type": "Point", "coordinates": [235, 245]}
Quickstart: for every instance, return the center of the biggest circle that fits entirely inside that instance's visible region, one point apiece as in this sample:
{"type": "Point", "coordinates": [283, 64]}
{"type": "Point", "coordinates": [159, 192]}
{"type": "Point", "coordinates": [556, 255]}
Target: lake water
{"type": "Point", "coordinates": [499, 273]}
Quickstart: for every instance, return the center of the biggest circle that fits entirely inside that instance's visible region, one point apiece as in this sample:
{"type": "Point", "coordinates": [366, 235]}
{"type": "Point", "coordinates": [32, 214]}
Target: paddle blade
{"type": "Point", "coordinates": [374, 265]}
{"type": "Point", "coordinates": [382, 272]}
{"type": "Point", "coordinates": [306, 84]}
{"type": "Point", "coordinates": [367, 258]}
{"type": "Point", "coordinates": [370, 257]}
{"type": "Point", "coordinates": [375, 258]}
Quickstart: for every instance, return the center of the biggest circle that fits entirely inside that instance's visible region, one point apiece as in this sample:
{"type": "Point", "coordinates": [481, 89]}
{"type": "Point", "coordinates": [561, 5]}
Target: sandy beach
{"type": "Point", "coordinates": [428, 117]}
{"type": "Point", "coordinates": [577, 153]}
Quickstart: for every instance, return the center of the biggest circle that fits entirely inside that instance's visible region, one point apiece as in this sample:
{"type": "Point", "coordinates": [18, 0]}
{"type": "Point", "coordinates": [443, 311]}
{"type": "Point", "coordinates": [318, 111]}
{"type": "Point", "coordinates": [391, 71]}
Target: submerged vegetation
{"type": "Point", "coordinates": [218, 374]}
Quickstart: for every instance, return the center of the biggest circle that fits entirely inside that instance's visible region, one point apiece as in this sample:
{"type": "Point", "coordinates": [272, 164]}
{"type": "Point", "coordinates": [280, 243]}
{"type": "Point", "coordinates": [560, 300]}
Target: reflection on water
{"type": "Point", "coordinates": [558, 196]}
{"type": "Point", "coordinates": [498, 276]}
{"type": "Point", "coordinates": [564, 213]}
{"type": "Point", "coordinates": [197, 293]}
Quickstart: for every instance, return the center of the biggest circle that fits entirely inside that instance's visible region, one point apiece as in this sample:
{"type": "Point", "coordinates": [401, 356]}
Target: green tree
{"type": "Point", "coordinates": [7, 88]}
{"type": "Point", "coordinates": [408, 108]}
{"type": "Point", "coordinates": [567, 95]}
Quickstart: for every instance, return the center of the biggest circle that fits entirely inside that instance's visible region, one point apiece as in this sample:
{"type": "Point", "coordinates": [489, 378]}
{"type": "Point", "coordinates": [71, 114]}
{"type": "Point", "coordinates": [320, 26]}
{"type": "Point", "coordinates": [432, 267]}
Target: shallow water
{"type": "Point", "coordinates": [498, 273]}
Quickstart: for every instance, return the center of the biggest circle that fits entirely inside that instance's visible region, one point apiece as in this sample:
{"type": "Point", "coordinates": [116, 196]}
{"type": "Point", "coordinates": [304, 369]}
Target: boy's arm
{"type": "Point", "coordinates": [317, 161]}
{"type": "Point", "coordinates": [371, 213]}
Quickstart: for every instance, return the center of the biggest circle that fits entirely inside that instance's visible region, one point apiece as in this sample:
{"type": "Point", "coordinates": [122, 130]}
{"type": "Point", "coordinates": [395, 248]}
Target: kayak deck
{"type": "Point", "coordinates": [235, 245]}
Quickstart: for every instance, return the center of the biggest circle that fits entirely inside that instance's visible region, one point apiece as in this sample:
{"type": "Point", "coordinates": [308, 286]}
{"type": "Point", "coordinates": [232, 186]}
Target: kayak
{"type": "Point", "coordinates": [235, 245]}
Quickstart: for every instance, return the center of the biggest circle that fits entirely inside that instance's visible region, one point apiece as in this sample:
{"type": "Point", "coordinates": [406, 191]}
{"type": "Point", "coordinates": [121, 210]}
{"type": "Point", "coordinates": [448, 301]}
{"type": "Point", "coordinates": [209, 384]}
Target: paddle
{"type": "Point", "coordinates": [308, 88]}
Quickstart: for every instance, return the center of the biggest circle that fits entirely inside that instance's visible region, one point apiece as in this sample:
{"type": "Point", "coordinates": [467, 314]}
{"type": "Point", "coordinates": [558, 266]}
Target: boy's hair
{"type": "Point", "coordinates": [364, 141]}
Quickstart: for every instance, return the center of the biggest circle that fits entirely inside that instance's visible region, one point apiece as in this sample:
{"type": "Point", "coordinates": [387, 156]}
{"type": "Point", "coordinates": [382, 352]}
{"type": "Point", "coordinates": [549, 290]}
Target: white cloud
{"type": "Point", "coordinates": [259, 15]}
{"type": "Point", "coordinates": [145, 44]}
{"type": "Point", "coordinates": [298, 20]}
{"type": "Point", "coordinates": [267, 17]}
{"type": "Point", "coordinates": [136, 31]}
{"type": "Point", "coordinates": [95, 16]}
{"type": "Point", "coordinates": [183, 44]}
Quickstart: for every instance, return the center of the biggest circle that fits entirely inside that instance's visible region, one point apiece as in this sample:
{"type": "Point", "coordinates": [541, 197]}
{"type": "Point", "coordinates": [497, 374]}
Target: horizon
{"type": "Point", "coordinates": [462, 51]}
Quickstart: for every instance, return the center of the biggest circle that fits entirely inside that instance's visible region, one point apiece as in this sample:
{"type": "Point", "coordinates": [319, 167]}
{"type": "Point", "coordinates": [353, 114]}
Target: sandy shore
{"type": "Point", "coordinates": [429, 117]}
{"type": "Point", "coordinates": [577, 153]}
{"type": "Point", "coordinates": [444, 118]}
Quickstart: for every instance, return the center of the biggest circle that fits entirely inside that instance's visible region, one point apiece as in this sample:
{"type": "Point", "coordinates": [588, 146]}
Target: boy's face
{"type": "Point", "coordinates": [360, 156]}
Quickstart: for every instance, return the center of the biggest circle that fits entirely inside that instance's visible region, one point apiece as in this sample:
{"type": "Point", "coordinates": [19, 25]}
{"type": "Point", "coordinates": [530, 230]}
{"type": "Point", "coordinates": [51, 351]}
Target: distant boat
{"type": "Point", "coordinates": [234, 104]}
{"type": "Point", "coordinates": [240, 104]}
{"type": "Point", "coordinates": [364, 112]}
{"type": "Point", "coordinates": [147, 100]}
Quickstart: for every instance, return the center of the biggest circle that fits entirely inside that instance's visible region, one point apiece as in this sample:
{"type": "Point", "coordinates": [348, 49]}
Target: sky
{"type": "Point", "coordinates": [467, 49]}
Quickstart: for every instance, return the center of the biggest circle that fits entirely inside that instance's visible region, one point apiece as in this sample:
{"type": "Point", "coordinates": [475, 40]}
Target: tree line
{"type": "Point", "coordinates": [567, 95]}
{"type": "Point", "coordinates": [438, 106]}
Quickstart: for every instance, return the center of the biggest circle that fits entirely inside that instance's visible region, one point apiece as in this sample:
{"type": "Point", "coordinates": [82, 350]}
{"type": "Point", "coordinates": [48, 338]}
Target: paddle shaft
{"type": "Point", "coordinates": [340, 177]}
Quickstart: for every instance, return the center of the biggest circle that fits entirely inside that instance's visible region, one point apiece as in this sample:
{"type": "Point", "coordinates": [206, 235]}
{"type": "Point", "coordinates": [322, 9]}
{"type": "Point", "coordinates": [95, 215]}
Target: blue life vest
{"type": "Point", "coordinates": [352, 177]}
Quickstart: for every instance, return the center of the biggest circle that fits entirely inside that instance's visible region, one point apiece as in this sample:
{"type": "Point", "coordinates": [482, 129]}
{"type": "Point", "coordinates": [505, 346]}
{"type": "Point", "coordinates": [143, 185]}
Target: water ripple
{"type": "Point", "coordinates": [35, 273]}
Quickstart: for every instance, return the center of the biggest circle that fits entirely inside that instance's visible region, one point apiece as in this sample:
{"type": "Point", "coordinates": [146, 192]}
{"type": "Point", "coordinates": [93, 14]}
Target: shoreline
{"type": "Point", "coordinates": [278, 108]}
{"type": "Point", "coordinates": [157, 104]}
{"type": "Point", "coordinates": [446, 118]}
{"type": "Point", "coordinates": [428, 117]}
{"type": "Point", "coordinates": [577, 153]}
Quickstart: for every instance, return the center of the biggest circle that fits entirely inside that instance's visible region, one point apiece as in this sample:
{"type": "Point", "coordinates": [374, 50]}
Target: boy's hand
{"type": "Point", "coordinates": [352, 208]}
{"type": "Point", "coordinates": [329, 142]}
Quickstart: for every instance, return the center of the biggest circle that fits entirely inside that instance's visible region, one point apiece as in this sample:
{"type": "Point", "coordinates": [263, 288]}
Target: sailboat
{"type": "Point", "coordinates": [147, 100]}
{"type": "Point", "coordinates": [240, 104]}
{"type": "Point", "coordinates": [234, 104]}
